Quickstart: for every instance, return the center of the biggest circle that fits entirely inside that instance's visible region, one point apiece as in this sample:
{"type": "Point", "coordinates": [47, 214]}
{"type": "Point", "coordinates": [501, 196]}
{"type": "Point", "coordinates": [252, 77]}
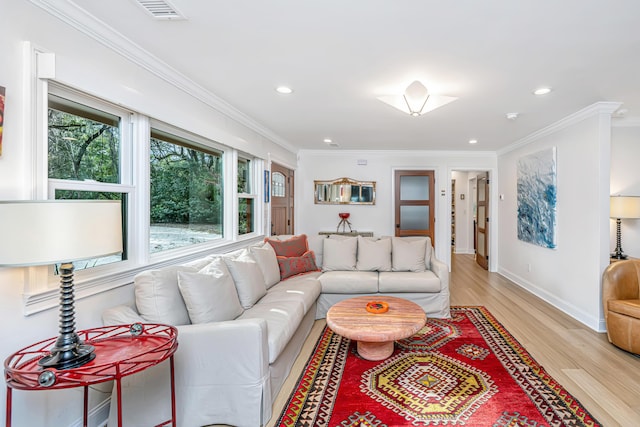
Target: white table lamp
{"type": "Point", "coordinates": [60, 231]}
{"type": "Point", "coordinates": [623, 207]}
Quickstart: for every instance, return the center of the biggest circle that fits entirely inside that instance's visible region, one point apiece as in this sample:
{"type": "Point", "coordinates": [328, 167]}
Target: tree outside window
{"type": "Point", "coordinates": [246, 198]}
{"type": "Point", "coordinates": [186, 193]}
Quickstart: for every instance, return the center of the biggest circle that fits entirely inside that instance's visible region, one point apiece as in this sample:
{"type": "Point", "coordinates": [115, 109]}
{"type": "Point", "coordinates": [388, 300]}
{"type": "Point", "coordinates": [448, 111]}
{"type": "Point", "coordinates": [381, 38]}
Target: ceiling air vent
{"type": "Point", "coordinates": [160, 9]}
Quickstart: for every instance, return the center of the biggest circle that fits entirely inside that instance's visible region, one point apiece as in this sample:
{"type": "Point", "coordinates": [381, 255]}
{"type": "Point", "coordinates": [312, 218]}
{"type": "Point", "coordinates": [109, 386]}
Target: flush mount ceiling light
{"type": "Point", "coordinates": [416, 100]}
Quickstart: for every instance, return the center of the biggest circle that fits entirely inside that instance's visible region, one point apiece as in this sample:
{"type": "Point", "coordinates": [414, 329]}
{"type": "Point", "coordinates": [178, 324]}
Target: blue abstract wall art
{"type": "Point", "coordinates": [537, 193]}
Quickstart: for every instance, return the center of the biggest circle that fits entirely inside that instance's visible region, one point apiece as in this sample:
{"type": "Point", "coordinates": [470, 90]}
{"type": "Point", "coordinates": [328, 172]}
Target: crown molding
{"type": "Point", "coordinates": [590, 111]}
{"type": "Point", "coordinates": [79, 19]}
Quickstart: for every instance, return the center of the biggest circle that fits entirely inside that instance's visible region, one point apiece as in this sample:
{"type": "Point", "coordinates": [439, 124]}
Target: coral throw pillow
{"type": "Point", "coordinates": [295, 246]}
{"type": "Point", "coordinates": [290, 266]}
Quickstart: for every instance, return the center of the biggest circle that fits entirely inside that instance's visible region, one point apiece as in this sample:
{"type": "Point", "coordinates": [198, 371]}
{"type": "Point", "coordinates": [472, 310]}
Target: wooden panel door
{"type": "Point", "coordinates": [282, 200]}
{"type": "Point", "coordinates": [415, 203]}
{"type": "Point", "coordinates": [482, 228]}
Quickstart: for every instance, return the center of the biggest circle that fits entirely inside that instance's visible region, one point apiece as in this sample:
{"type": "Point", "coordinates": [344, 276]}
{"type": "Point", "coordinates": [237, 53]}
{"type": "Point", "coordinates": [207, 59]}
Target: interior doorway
{"type": "Point", "coordinates": [470, 216]}
{"type": "Point", "coordinates": [482, 220]}
{"type": "Point", "coordinates": [282, 200]}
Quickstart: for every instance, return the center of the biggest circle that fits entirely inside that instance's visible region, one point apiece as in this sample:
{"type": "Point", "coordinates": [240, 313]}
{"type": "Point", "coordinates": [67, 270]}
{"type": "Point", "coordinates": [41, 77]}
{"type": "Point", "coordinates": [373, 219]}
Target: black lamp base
{"type": "Point", "coordinates": [66, 359]}
{"type": "Point", "coordinates": [617, 252]}
{"type": "Point", "coordinates": [69, 350]}
{"type": "Point", "coordinates": [618, 255]}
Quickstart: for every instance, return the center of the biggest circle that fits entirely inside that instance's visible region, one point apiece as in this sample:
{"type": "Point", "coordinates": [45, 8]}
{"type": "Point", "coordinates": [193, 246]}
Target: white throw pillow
{"type": "Point", "coordinates": [265, 256]}
{"type": "Point", "coordinates": [339, 254]}
{"type": "Point", "coordinates": [158, 298]}
{"type": "Point", "coordinates": [248, 278]}
{"type": "Point", "coordinates": [408, 254]}
{"type": "Point", "coordinates": [209, 297]}
{"type": "Point", "coordinates": [374, 255]}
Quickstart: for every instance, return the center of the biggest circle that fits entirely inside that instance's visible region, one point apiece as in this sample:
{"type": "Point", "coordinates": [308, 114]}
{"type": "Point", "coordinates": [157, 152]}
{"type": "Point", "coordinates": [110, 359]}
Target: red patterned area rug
{"type": "Point", "coordinates": [467, 370]}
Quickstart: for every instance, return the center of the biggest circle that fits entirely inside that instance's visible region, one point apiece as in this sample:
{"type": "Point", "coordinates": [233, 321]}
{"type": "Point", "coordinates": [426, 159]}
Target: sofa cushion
{"type": "Point", "coordinates": [339, 254]}
{"type": "Point", "coordinates": [405, 281]}
{"type": "Point", "coordinates": [293, 246]}
{"type": "Point", "coordinates": [408, 254]}
{"type": "Point", "coordinates": [283, 319]}
{"type": "Point", "coordinates": [209, 297]}
{"type": "Point", "coordinates": [428, 250]}
{"type": "Point", "coordinates": [316, 245]}
{"type": "Point", "coordinates": [349, 282]}
{"type": "Point", "coordinates": [247, 277]}
{"type": "Point", "coordinates": [290, 266]}
{"type": "Point", "coordinates": [373, 254]}
{"type": "Point", "coordinates": [158, 297]}
{"type": "Point", "coordinates": [265, 256]}
{"type": "Point", "coordinates": [305, 288]}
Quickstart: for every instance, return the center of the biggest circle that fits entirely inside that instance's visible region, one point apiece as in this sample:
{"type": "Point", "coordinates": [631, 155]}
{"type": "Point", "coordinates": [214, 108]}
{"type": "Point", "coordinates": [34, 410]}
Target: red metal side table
{"type": "Point", "coordinates": [120, 351]}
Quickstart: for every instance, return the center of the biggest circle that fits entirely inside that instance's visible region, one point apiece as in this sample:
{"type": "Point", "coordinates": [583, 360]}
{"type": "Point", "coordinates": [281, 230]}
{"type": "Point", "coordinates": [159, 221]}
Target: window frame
{"type": "Point", "coordinates": [256, 187]}
{"type": "Point", "coordinates": [125, 186]}
{"type": "Point", "coordinates": [41, 285]}
{"type": "Point", "coordinates": [196, 142]}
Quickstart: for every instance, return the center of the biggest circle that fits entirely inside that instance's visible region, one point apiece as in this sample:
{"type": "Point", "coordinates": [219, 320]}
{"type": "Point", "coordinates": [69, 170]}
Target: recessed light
{"type": "Point", "coordinates": [284, 90]}
{"type": "Point", "coordinates": [473, 141]}
{"type": "Point", "coordinates": [512, 116]}
{"type": "Point", "coordinates": [542, 91]}
{"type": "Point", "coordinates": [327, 140]}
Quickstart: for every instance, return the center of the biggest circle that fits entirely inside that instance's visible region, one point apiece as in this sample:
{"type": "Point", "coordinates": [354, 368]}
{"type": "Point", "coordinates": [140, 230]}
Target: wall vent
{"type": "Point", "coordinates": [160, 9]}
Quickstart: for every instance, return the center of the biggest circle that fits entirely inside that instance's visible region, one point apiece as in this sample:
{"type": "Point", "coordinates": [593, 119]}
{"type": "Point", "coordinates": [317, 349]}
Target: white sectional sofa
{"type": "Point", "coordinates": [240, 327]}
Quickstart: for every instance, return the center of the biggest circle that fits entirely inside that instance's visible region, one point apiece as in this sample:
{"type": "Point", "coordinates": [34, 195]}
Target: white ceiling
{"type": "Point", "coordinates": [339, 55]}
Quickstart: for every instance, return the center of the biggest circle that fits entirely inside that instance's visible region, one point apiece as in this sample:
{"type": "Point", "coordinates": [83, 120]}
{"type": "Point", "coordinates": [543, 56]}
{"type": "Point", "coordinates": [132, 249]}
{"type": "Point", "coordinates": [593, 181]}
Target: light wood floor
{"type": "Point", "coordinates": [603, 378]}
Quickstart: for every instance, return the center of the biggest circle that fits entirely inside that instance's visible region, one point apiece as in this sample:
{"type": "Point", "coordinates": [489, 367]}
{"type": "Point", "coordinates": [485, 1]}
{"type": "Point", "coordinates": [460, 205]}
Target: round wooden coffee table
{"type": "Point", "coordinates": [375, 333]}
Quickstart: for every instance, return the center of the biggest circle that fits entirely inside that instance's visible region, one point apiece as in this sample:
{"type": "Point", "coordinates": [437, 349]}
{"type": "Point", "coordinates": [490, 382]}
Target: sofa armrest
{"type": "Point", "coordinates": [221, 377]}
{"type": "Point", "coordinates": [441, 270]}
{"type": "Point", "coordinates": [231, 352]}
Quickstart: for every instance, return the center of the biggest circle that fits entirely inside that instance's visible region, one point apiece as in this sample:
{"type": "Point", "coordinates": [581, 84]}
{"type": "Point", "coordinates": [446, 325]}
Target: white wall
{"type": "Point", "coordinates": [625, 180]}
{"type": "Point", "coordinates": [89, 66]}
{"type": "Point", "coordinates": [568, 276]}
{"type": "Point", "coordinates": [379, 218]}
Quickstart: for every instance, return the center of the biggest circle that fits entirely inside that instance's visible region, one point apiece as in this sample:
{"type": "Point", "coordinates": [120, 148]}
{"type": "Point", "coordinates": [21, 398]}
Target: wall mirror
{"type": "Point", "coordinates": [345, 191]}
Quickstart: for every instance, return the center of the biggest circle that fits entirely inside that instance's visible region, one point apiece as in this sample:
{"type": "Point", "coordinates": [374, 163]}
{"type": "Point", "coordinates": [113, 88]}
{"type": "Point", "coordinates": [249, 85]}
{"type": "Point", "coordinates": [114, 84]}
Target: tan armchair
{"type": "Point", "coordinates": [621, 300]}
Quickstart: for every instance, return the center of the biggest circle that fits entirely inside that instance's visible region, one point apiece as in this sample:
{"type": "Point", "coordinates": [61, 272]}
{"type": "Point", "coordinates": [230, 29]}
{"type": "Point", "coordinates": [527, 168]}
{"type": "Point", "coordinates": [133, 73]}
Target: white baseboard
{"type": "Point", "coordinates": [566, 307]}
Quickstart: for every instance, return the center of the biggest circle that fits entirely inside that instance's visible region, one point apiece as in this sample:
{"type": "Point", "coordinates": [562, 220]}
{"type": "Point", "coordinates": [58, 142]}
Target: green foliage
{"type": "Point", "coordinates": [186, 185]}
{"type": "Point", "coordinates": [245, 216]}
{"type": "Point", "coordinates": [82, 149]}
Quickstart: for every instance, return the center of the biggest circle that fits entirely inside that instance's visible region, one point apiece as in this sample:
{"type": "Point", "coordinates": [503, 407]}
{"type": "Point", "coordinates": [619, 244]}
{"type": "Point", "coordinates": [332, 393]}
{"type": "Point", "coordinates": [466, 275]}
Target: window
{"type": "Point", "coordinates": [246, 197]}
{"type": "Point", "coordinates": [181, 194]}
{"type": "Point", "coordinates": [277, 184]}
{"type": "Point", "coordinates": [186, 200]}
{"type": "Point", "coordinates": [85, 151]}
